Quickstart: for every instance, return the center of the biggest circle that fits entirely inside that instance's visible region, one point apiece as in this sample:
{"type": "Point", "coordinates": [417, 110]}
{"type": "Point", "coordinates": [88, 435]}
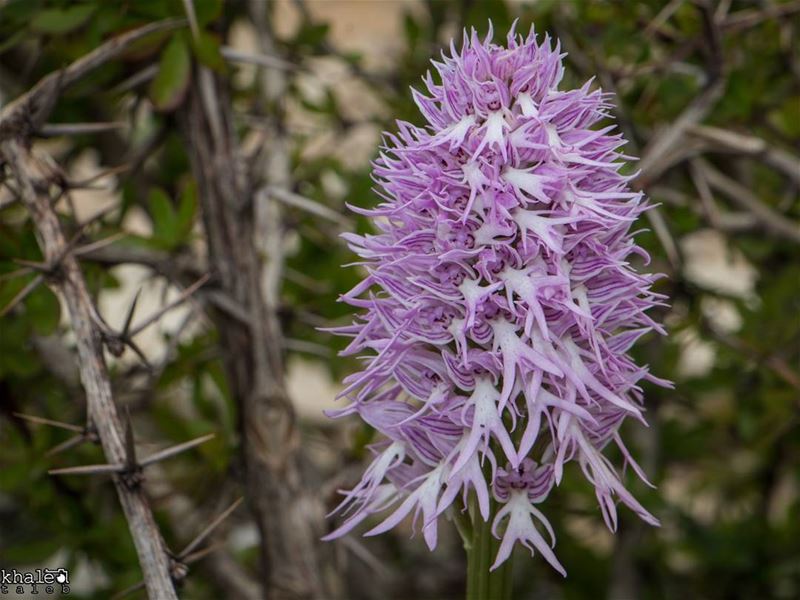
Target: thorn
{"type": "Point", "coordinates": [138, 351]}
{"type": "Point", "coordinates": [200, 554]}
{"type": "Point", "coordinates": [134, 80]}
{"type": "Point", "coordinates": [16, 273]}
{"type": "Point", "coordinates": [178, 569]}
{"type": "Point", "coordinates": [191, 546]}
{"type": "Point", "coordinates": [44, 421]}
{"type": "Point", "coordinates": [87, 434]}
{"type": "Point", "coordinates": [75, 440]}
{"type": "Point", "coordinates": [128, 591]}
{"type": "Point", "coordinates": [21, 295]}
{"type": "Point", "coordinates": [100, 243]}
{"type": "Point", "coordinates": [116, 342]}
{"type": "Point", "coordinates": [89, 470]}
{"type": "Point", "coordinates": [57, 129]}
{"type": "Point", "coordinates": [175, 450]}
{"type": "Point", "coordinates": [70, 245]}
{"type": "Point", "coordinates": [177, 302]}
{"type": "Point", "coordinates": [32, 265]}
{"type": "Point", "coordinates": [49, 268]}
{"type": "Point", "coordinates": [127, 326]}
{"type": "Point", "coordinates": [95, 218]}
{"type": "Point", "coordinates": [112, 171]}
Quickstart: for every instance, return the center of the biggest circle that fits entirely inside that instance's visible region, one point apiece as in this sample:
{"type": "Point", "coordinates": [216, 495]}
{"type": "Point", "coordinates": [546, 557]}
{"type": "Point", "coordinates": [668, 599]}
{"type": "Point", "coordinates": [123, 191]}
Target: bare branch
{"type": "Point", "coordinates": [94, 375]}
{"type": "Point", "coordinates": [131, 465]}
{"type": "Point", "coordinates": [270, 438]}
{"type": "Point", "coordinates": [16, 273]}
{"type": "Point", "coordinates": [662, 17]}
{"type": "Point", "coordinates": [27, 113]}
{"type": "Point", "coordinates": [262, 60]}
{"type": "Point", "coordinates": [175, 268]}
{"type": "Point", "coordinates": [730, 141]}
{"type": "Point", "coordinates": [774, 362]}
{"type": "Point", "coordinates": [308, 205]}
{"type": "Point", "coordinates": [751, 17]}
{"type": "Point", "coordinates": [104, 173]}
{"type": "Point", "coordinates": [307, 347]}
{"type": "Point", "coordinates": [665, 238]}
{"type": "Point", "coordinates": [653, 162]}
{"type": "Point", "coordinates": [205, 78]}
{"type": "Point", "coordinates": [359, 550]}
{"type": "Point", "coordinates": [747, 200]}
{"type": "Point", "coordinates": [706, 196]}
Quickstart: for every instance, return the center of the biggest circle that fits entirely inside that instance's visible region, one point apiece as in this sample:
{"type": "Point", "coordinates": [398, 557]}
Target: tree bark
{"type": "Point", "coordinates": [252, 351]}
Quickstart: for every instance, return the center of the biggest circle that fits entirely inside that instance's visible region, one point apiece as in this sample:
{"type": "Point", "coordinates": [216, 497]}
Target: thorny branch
{"type": "Point", "coordinates": [24, 116]}
{"type": "Point", "coordinates": [68, 280]}
{"type": "Point", "coordinates": [18, 122]}
{"type": "Point", "coordinates": [252, 350]}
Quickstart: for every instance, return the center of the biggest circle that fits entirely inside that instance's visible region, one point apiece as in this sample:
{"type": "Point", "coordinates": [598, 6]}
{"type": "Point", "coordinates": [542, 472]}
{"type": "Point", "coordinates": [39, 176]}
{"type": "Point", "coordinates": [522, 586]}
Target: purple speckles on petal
{"type": "Point", "coordinates": [499, 303]}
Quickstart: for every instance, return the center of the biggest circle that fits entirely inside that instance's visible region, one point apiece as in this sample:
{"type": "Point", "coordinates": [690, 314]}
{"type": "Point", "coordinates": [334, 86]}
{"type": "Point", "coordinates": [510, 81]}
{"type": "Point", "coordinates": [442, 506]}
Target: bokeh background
{"type": "Point", "coordinates": [723, 447]}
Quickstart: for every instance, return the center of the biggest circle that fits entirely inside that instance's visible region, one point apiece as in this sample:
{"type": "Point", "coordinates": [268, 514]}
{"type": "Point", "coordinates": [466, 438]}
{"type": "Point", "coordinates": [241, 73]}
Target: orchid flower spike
{"type": "Point", "coordinates": [499, 305]}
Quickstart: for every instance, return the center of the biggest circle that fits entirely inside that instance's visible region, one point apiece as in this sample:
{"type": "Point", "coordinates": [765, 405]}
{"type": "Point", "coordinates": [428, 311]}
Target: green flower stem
{"type": "Point", "coordinates": [483, 584]}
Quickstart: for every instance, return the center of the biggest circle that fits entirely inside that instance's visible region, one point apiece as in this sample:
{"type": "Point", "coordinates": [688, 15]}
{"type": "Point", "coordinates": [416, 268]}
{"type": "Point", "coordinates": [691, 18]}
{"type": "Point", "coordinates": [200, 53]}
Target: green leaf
{"type": "Point", "coordinates": [12, 40]}
{"type": "Point", "coordinates": [165, 221]}
{"type": "Point", "coordinates": [187, 210]}
{"type": "Point", "coordinates": [16, 357]}
{"type": "Point", "coordinates": [787, 117]}
{"type": "Point", "coordinates": [412, 30]}
{"type": "Point", "coordinates": [312, 34]}
{"type": "Point", "coordinates": [32, 551]}
{"type": "Point", "coordinates": [62, 20]}
{"type": "Point", "coordinates": [207, 10]}
{"type": "Point", "coordinates": [174, 73]}
{"type": "Point", "coordinates": [45, 310]}
{"type": "Point", "coordinates": [206, 49]}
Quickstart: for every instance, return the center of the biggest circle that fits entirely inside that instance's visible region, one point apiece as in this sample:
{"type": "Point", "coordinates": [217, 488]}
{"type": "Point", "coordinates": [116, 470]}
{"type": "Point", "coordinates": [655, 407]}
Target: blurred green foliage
{"type": "Point", "coordinates": [723, 447]}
